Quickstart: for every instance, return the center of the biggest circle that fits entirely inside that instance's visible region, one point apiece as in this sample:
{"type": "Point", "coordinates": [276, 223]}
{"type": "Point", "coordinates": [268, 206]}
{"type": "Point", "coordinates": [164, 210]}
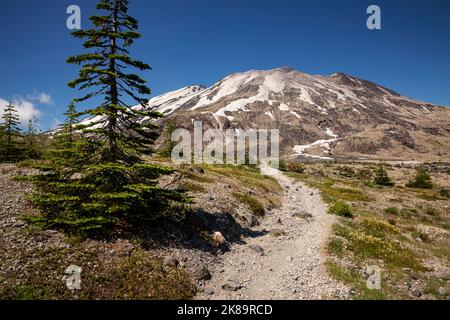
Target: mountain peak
{"type": "Point", "coordinates": [197, 86]}
{"type": "Point", "coordinates": [285, 69]}
{"type": "Point", "coordinates": [344, 79]}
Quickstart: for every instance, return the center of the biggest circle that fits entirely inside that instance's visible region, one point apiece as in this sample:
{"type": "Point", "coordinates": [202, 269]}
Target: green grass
{"type": "Point", "coordinates": [432, 288]}
{"type": "Point", "coordinates": [248, 175]}
{"type": "Point", "coordinates": [378, 228]}
{"type": "Point", "coordinates": [340, 208]}
{"type": "Point", "coordinates": [254, 205]}
{"type": "Point", "coordinates": [442, 252]}
{"type": "Point", "coordinates": [444, 193]}
{"type": "Point", "coordinates": [352, 194]}
{"type": "Point", "coordinates": [431, 211]}
{"type": "Point", "coordinates": [277, 233]}
{"type": "Point", "coordinates": [293, 167]}
{"type": "Point", "coordinates": [336, 247]}
{"type": "Point", "coordinates": [373, 241]}
{"type": "Point", "coordinates": [199, 178]}
{"type": "Point", "coordinates": [356, 280]}
{"type": "Point", "coordinates": [392, 210]}
{"type": "Point", "coordinates": [331, 193]}
{"type": "Point", "coordinates": [142, 277]}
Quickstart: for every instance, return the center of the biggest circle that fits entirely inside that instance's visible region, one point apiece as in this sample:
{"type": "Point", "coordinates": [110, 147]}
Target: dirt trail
{"type": "Point", "coordinates": [290, 266]}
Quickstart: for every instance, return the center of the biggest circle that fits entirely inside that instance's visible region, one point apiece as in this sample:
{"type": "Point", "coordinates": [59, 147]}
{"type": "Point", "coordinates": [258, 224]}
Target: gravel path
{"type": "Point", "coordinates": [287, 260]}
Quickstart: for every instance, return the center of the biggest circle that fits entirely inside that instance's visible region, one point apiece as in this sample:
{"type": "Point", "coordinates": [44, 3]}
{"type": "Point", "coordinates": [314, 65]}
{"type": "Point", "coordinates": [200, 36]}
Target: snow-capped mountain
{"type": "Point", "coordinates": [269, 87]}
{"type": "Point", "coordinates": [318, 116]}
{"type": "Point", "coordinates": [335, 116]}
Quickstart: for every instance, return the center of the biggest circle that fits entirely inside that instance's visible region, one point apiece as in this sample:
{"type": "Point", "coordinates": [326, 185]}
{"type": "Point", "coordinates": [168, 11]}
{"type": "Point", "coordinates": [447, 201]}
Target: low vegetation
{"type": "Point", "coordinates": [422, 180]}
{"type": "Point", "coordinates": [392, 210]}
{"type": "Point", "coordinates": [255, 206]}
{"type": "Point", "coordinates": [248, 175]}
{"type": "Point", "coordinates": [355, 279]}
{"type": "Point", "coordinates": [291, 167]}
{"type": "Point", "coordinates": [131, 275]}
{"type": "Point", "coordinates": [381, 177]}
{"type": "Point", "coordinates": [340, 208]}
{"type": "Point", "coordinates": [393, 227]}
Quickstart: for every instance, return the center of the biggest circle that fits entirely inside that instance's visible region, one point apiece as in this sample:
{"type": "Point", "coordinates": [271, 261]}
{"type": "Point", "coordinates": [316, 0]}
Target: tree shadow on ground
{"type": "Point", "coordinates": [192, 232]}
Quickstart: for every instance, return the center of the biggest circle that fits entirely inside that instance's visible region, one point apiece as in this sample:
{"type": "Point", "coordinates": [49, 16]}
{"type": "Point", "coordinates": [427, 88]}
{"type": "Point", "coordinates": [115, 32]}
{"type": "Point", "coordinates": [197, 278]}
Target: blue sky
{"type": "Point", "coordinates": [201, 41]}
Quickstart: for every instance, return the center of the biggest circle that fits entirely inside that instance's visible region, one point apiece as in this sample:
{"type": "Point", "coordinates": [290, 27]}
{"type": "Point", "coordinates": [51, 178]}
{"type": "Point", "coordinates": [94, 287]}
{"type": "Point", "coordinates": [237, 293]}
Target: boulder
{"type": "Point", "coordinates": [231, 285]}
{"type": "Point", "coordinates": [303, 215]}
{"type": "Point", "coordinates": [443, 275]}
{"type": "Point", "coordinates": [442, 291]}
{"type": "Point", "coordinates": [201, 273]}
{"type": "Point", "coordinates": [218, 239]}
{"type": "Point", "coordinates": [416, 293]}
{"type": "Point", "coordinates": [170, 262]}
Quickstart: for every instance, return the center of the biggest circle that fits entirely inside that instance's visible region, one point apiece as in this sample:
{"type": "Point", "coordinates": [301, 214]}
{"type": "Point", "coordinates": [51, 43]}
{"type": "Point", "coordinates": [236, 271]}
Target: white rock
{"type": "Point", "coordinates": [218, 239]}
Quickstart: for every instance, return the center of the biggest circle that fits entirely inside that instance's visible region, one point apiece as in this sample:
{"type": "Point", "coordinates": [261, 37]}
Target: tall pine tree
{"type": "Point", "coordinates": [11, 148]}
{"type": "Point", "coordinates": [110, 182]}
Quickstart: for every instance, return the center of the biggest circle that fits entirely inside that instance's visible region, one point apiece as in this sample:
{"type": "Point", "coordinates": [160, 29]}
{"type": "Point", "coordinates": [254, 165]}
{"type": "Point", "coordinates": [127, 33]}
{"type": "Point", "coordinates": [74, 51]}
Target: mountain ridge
{"type": "Point", "coordinates": [319, 117]}
{"type": "Point", "coordinates": [365, 119]}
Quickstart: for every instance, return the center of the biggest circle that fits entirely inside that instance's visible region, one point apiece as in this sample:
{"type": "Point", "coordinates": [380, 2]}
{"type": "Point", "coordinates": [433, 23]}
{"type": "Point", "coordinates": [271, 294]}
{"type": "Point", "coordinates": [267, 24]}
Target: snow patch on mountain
{"type": "Point", "coordinates": [270, 114]}
{"type": "Point", "coordinates": [283, 107]}
{"type": "Point", "coordinates": [385, 91]}
{"type": "Point", "coordinates": [300, 150]}
{"type": "Point", "coordinates": [242, 103]}
{"type": "Point", "coordinates": [224, 88]}
{"type": "Point", "coordinates": [170, 102]}
{"type": "Point", "coordinates": [330, 132]}
{"type": "Point", "coordinates": [296, 114]}
{"type": "Point", "coordinates": [274, 83]}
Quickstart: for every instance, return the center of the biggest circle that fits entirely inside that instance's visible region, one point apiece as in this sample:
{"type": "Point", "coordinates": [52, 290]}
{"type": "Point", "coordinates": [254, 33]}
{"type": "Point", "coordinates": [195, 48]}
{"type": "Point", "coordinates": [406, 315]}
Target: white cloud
{"type": "Point", "coordinates": [45, 98]}
{"type": "Point", "coordinates": [25, 108]}
{"type": "Point", "coordinates": [40, 97]}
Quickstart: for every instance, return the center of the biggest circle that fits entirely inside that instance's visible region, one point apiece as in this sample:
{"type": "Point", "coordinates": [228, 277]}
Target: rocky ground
{"type": "Point", "coordinates": [14, 238]}
{"type": "Point", "coordinates": [228, 249]}
{"type": "Point", "coordinates": [285, 257]}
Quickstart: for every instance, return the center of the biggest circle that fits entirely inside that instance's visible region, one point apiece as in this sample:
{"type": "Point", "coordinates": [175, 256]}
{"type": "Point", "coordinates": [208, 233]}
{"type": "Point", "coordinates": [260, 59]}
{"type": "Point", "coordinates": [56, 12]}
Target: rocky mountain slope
{"type": "Point", "coordinates": [319, 117]}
